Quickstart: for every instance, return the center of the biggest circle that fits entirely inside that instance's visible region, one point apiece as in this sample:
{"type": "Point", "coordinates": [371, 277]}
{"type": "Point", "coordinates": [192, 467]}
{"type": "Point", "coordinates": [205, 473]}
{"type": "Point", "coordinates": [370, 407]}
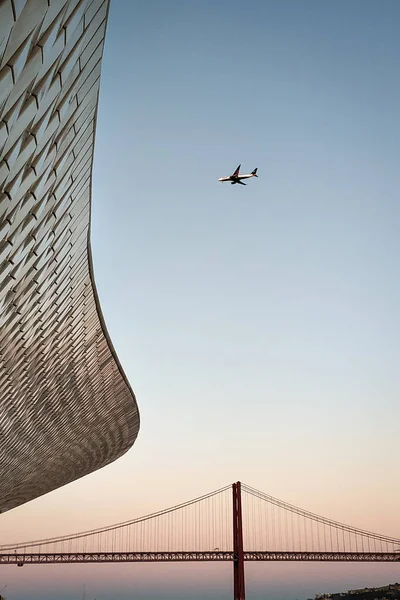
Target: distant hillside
{"type": "Point", "coordinates": [389, 592]}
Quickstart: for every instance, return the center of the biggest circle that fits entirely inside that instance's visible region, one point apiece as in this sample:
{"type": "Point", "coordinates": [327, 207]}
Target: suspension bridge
{"type": "Point", "coordinates": [236, 523]}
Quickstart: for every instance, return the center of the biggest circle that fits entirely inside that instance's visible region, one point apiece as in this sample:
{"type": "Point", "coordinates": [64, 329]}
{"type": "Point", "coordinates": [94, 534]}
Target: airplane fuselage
{"type": "Point", "coordinates": [235, 179]}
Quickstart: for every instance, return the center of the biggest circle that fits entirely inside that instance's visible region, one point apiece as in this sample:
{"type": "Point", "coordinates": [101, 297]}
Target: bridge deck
{"type": "Point", "coordinates": [217, 556]}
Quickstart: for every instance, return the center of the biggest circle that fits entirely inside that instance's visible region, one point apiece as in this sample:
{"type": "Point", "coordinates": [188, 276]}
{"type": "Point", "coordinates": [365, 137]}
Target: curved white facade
{"type": "Point", "coordinates": [66, 408]}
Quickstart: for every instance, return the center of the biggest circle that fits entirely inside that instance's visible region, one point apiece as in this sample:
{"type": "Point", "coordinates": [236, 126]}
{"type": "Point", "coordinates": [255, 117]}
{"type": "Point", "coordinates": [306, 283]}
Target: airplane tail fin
{"type": "Point", "coordinates": [254, 172]}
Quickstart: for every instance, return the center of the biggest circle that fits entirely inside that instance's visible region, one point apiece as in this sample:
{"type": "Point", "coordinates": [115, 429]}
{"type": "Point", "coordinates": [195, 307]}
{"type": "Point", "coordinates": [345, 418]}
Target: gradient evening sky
{"type": "Point", "coordinates": [259, 327]}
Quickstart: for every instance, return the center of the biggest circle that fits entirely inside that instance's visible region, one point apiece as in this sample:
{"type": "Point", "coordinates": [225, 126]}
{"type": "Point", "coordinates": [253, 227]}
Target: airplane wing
{"type": "Point", "coordinates": [236, 173]}
{"type": "Point", "coordinates": [241, 183]}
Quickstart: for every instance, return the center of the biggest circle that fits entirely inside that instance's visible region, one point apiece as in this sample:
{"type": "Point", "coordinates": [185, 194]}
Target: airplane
{"type": "Point", "coordinates": [236, 178]}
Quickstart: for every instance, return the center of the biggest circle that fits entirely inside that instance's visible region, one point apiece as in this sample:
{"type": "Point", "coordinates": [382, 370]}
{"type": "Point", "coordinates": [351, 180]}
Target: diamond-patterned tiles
{"type": "Point", "coordinates": [66, 407]}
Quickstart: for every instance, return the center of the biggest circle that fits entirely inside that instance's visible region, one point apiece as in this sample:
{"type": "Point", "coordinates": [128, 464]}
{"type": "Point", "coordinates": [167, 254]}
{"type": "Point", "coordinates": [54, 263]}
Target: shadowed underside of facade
{"type": "Point", "coordinates": [66, 408]}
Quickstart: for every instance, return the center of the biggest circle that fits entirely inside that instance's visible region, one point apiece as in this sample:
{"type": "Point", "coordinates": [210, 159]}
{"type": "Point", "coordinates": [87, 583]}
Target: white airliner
{"type": "Point", "coordinates": [236, 178]}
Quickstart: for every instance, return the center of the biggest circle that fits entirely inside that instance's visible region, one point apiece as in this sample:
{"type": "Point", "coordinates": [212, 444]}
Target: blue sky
{"type": "Point", "coordinates": [270, 314]}
{"type": "Point", "coordinates": [259, 328]}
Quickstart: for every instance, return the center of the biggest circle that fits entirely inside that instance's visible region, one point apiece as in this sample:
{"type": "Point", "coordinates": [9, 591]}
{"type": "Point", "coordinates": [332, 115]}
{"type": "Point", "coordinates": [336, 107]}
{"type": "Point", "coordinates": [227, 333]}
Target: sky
{"type": "Point", "coordinates": [259, 328]}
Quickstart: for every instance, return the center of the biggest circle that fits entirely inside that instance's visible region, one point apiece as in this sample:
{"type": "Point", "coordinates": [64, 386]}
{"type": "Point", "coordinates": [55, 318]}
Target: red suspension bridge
{"type": "Point", "coordinates": [236, 523]}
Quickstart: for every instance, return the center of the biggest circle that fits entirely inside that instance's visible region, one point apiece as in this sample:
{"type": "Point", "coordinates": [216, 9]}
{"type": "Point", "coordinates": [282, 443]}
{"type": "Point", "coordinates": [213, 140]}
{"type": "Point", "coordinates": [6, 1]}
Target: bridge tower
{"type": "Point", "coordinates": [238, 560]}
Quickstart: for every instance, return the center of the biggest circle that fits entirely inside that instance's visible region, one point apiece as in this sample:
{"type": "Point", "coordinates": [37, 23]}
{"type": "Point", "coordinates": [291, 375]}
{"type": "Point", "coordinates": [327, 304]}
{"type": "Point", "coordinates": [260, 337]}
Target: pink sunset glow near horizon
{"type": "Point", "coordinates": [126, 582]}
